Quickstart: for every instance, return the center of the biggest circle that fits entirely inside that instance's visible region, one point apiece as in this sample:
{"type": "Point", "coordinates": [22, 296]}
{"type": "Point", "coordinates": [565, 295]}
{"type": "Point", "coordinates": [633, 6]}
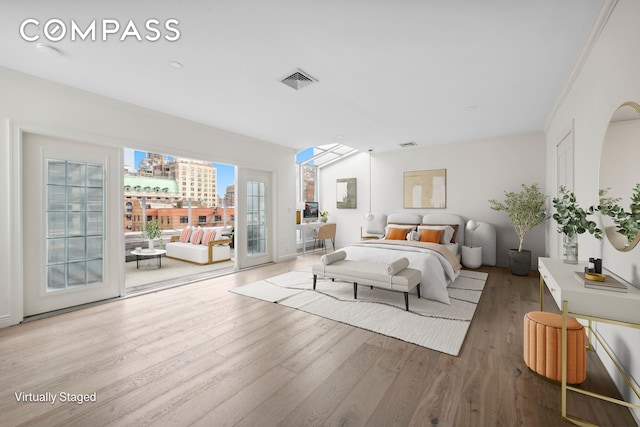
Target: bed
{"type": "Point", "coordinates": [439, 263]}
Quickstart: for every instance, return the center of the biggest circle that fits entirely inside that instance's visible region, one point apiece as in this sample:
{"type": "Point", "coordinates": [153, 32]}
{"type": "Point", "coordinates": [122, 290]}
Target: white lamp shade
{"type": "Point", "coordinates": [369, 216]}
{"type": "Point", "coordinates": [472, 225]}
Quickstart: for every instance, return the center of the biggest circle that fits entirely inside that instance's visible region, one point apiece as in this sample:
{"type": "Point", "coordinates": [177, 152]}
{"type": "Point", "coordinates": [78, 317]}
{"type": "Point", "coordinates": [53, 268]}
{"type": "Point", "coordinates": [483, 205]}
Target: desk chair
{"type": "Point", "coordinates": [327, 231]}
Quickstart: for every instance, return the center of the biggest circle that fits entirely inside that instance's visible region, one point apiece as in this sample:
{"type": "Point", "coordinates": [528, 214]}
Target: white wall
{"type": "Point", "coordinates": [476, 172]}
{"type": "Point", "coordinates": [38, 104]}
{"type": "Point", "coordinates": [609, 77]}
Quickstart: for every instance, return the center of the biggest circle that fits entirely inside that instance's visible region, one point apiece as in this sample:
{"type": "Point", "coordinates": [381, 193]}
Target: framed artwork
{"type": "Point", "coordinates": [425, 189]}
{"type": "Point", "coordinates": [346, 193]}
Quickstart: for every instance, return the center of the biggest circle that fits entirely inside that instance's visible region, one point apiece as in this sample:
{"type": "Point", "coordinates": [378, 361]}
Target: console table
{"type": "Point", "coordinates": [592, 305]}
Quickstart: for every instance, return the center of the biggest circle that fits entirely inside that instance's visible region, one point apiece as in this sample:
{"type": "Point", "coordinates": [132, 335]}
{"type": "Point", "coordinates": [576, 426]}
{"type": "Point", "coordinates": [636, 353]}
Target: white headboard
{"type": "Point", "coordinates": [447, 219]}
{"type": "Point", "coordinates": [404, 218]}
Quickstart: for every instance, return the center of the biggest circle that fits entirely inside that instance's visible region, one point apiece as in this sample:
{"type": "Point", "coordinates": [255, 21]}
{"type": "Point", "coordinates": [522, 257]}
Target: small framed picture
{"type": "Point", "coordinates": [346, 193]}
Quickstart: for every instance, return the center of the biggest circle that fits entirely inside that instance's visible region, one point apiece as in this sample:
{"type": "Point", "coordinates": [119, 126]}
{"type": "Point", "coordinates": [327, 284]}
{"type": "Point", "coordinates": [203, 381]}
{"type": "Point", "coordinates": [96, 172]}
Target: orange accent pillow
{"type": "Point", "coordinates": [397, 233]}
{"type": "Point", "coordinates": [432, 236]}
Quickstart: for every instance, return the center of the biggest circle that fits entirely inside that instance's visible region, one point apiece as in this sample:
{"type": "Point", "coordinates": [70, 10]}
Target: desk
{"type": "Point", "coordinates": [303, 231]}
{"type": "Point", "coordinates": [593, 305]}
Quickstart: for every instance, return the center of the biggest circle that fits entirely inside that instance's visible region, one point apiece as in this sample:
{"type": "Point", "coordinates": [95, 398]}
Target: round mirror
{"type": "Point", "coordinates": [620, 178]}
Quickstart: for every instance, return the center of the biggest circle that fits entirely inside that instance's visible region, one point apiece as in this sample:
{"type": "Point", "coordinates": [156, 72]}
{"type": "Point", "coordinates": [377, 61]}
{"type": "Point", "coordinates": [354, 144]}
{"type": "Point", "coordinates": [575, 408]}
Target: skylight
{"type": "Point", "coordinates": [323, 155]}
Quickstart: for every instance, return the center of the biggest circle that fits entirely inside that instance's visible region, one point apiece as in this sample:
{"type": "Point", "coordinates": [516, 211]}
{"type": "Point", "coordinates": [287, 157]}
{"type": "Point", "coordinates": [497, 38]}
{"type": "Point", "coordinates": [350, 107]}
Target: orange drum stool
{"type": "Point", "coordinates": [543, 346]}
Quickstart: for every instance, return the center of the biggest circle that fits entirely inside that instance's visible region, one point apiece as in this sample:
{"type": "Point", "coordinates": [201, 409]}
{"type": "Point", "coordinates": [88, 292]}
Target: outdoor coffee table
{"type": "Point", "coordinates": [148, 253]}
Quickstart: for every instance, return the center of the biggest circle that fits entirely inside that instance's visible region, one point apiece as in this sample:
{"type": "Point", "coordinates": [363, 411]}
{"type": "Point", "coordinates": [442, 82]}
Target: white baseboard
{"type": "Point", "coordinates": [6, 321]}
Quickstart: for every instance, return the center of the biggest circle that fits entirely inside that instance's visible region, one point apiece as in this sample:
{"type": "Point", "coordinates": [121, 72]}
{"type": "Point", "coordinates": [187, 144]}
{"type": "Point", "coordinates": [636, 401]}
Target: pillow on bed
{"type": "Point", "coordinates": [397, 233]}
{"type": "Point", "coordinates": [447, 235]}
{"type": "Point", "coordinates": [407, 227]}
{"type": "Point", "coordinates": [431, 236]}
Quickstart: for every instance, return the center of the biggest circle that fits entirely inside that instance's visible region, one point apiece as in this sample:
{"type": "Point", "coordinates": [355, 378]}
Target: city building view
{"type": "Point", "coordinates": [176, 192]}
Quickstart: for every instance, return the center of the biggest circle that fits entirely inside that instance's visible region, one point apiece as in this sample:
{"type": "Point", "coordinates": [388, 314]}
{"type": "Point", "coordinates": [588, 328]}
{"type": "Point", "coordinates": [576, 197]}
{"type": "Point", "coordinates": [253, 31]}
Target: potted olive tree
{"type": "Point", "coordinates": [572, 220]}
{"type": "Point", "coordinates": [526, 209]}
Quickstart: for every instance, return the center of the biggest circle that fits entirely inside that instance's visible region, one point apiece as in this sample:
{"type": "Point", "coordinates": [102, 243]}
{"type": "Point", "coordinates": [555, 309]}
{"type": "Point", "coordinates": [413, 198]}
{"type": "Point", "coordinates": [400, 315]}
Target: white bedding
{"type": "Point", "coordinates": [437, 272]}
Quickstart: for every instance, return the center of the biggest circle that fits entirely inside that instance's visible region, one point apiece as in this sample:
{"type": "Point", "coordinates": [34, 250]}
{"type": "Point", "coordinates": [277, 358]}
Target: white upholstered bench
{"type": "Point", "coordinates": [395, 276]}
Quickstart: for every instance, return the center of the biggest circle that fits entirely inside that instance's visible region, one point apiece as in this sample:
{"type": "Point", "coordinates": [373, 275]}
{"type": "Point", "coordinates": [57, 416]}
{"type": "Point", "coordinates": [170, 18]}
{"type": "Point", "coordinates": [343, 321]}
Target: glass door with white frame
{"type": "Point", "coordinates": [68, 255]}
{"type": "Point", "coordinates": [255, 224]}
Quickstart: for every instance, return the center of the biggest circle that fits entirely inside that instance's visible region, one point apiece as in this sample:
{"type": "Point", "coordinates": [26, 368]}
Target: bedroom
{"type": "Point", "coordinates": [608, 77]}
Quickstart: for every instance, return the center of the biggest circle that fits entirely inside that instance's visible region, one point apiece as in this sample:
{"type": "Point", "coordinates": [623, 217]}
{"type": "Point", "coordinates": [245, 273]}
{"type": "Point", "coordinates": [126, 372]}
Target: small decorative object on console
{"type": "Point", "coordinates": [595, 277]}
{"type": "Point", "coordinates": [600, 281]}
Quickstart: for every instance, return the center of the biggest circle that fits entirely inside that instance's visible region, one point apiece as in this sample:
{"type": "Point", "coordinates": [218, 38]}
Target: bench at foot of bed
{"type": "Point", "coordinates": [395, 276]}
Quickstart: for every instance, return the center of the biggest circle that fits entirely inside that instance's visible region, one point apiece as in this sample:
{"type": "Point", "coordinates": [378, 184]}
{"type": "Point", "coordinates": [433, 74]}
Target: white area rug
{"type": "Point", "coordinates": [429, 323]}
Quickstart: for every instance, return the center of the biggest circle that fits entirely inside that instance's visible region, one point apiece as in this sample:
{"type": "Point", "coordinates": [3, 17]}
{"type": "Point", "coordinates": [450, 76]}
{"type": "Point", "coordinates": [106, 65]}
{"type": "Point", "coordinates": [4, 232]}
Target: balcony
{"type": "Point", "coordinates": [172, 273]}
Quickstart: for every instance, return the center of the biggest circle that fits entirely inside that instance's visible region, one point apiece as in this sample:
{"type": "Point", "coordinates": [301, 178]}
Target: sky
{"type": "Point", "coordinates": [226, 173]}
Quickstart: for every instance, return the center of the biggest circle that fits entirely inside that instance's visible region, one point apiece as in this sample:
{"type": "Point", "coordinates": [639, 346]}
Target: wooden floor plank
{"type": "Point", "coordinates": [319, 404]}
{"type": "Point", "coordinates": [273, 410]}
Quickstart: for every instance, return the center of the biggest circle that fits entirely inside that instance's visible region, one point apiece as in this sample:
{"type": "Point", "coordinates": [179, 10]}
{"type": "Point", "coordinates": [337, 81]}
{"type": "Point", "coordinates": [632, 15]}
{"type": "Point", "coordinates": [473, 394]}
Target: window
{"type": "Point", "coordinates": [218, 218]}
{"type": "Point", "coordinates": [184, 220]}
{"type": "Point", "coordinates": [256, 214]}
{"type": "Point", "coordinates": [202, 219]}
{"type": "Point", "coordinates": [128, 217]}
{"type": "Point", "coordinates": [309, 176]}
{"type": "Point", "coordinates": [310, 160]}
{"type": "Point", "coordinates": [128, 207]}
{"type": "Point", "coordinates": [75, 224]}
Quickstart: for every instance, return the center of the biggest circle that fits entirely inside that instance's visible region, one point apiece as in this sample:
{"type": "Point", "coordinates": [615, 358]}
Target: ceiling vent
{"type": "Point", "coordinates": [408, 144]}
{"type": "Point", "coordinates": [298, 80]}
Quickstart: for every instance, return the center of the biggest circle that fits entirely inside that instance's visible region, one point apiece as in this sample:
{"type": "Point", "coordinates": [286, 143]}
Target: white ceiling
{"type": "Point", "coordinates": [389, 71]}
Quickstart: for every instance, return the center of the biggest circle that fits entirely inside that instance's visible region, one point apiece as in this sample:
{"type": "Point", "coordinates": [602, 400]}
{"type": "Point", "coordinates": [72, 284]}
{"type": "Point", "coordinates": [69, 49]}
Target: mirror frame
{"type": "Point", "coordinates": [635, 241]}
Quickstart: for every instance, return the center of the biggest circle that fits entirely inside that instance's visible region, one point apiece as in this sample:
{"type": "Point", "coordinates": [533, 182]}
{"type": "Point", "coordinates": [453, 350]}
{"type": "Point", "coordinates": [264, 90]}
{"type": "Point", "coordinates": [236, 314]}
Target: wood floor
{"type": "Point", "coordinates": [200, 355]}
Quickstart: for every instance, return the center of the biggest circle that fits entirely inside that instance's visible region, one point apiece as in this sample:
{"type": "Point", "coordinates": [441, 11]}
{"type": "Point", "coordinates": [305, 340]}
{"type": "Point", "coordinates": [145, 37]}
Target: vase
{"type": "Point", "coordinates": [324, 218]}
{"type": "Point", "coordinates": [570, 248]}
{"type": "Point", "coordinates": [151, 244]}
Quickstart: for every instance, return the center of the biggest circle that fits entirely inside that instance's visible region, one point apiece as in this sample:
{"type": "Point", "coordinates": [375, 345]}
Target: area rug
{"type": "Point", "coordinates": [429, 323]}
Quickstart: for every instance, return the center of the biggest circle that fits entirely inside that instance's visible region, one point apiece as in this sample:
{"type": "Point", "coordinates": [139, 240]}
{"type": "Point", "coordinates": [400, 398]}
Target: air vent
{"type": "Point", "coordinates": [407, 144]}
{"type": "Point", "coordinates": [298, 80]}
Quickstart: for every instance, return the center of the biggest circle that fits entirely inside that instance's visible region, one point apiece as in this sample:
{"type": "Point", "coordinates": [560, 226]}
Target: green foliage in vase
{"type": "Point", "coordinates": [571, 218]}
{"type": "Point", "coordinates": [152, 229]}
{"type": "Point", "coordinates": [525, 209]}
